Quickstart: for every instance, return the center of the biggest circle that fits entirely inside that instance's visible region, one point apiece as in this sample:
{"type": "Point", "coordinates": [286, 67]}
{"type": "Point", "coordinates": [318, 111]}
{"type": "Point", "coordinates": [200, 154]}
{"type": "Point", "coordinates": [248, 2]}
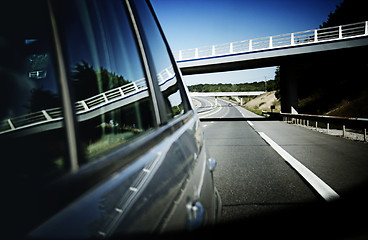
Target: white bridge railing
{"type": "Point", "coordinates": [86, 105]}
{"type": "Point", "coordinates": [285, 40]}
{"type": "Point", "coordinates": [83, 106]}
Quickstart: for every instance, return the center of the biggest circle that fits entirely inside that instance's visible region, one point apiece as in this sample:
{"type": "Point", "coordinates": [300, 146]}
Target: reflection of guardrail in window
{"type": "Point", "coordinates": [30, 119]}
{"type": "Point", "coordinates": [165, 74]}
{"type": "Point", "coordinates": [83, 106]}
{"type": "Point", "coordinates": [359, 29]}
{"type": "Point", "coordinates": [108, 96]}
{"type": "Point", "coordinates": [89, 104]}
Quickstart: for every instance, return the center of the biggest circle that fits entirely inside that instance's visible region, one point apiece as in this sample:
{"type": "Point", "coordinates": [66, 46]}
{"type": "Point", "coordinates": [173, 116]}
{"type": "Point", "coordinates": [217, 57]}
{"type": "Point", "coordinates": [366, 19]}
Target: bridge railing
{"type": "Point", "coordinates": [284, 40]}
{"type": "Point", "coordinates": [86, 105]}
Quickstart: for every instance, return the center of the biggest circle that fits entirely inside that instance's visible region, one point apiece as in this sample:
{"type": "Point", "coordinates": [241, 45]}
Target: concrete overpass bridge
{"type": "Point", "coordinates": [235, 95]}
{"type": "Point", "coordinates": [319, 45]}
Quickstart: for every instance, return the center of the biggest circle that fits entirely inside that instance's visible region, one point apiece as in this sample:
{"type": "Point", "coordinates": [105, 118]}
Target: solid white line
{"type": "Point", "coordinates": [318, 184]}
{"type": "Point", "coordinates": [250, 123]}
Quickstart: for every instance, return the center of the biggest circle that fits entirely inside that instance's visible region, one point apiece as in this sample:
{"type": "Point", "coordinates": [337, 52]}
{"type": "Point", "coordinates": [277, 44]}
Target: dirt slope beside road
{"type": "Point", "coordinates": [264, 102]}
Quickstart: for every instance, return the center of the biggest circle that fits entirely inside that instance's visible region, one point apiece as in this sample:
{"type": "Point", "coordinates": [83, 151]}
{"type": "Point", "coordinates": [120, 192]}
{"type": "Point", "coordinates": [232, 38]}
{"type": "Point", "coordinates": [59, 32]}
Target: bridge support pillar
{"type": "Point", "coordinates": [289, 89]}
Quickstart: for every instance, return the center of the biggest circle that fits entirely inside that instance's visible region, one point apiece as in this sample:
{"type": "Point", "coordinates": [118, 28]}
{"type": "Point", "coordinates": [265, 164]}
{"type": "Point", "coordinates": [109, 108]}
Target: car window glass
{"type": "Point", "coordinates": [112, 100]}
{"type": "Point", "coordinates": [162, 64]}
{"type": "Point", "coordinates": [32, 138]}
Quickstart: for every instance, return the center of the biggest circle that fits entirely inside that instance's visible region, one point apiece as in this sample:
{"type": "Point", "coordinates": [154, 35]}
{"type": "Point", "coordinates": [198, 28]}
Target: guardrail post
{"type": "Point", "coordinates": [270, 46]}
{"type": "Point", "coordinates": [105, 98]}
{"type": "Point", "coordinates": [11, 124]}
{"type": "Point", "coordinates": [46, 115]}
{"type": "Point", "coordinates": [343, 130]}
{"type": "Point", "coordinates": [213, 50]}
{"type": "Point", "coordinates": [121, 91]}
{"type": "Point", "coordinates": [365, 134]}
{"type": "Point", "coordinates": [250, 45]}
{"type": "Point", "coordinates": [168, 74]}
{"type": "Point", "coordinates": [84, 105]}
{"type": "Point", "coordinates": [366, 28]}
{"type": "Point", "coordinates": [231, 48]}
{"type": "Point", "coordinates": [328, 127]}
{"type": "Point", "coordinates": [180, 55]}
{"type": "Point", "coordinates": [315, 35]}
{"type": "Point", "coordinates": [340, 32]}
{"type": "Point", "coordinates": [196, 53]}
{"type": "Point", "coordinates": [292, 39]}
{"type": "Point", "coordinates": [135, 86]}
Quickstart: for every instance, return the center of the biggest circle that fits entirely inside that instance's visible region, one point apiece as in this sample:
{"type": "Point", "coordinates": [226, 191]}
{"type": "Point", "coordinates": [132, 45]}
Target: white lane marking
{"type": "Point", "coordinates": [250, 123]}
{"type": "Point", "coordinates": [216, 110]}
{"type": "Point", "coordinates": [213, 109]}
{"type": "Point", "coordinates": [243, 115]}
{"type": "Point", "coordinates": [318, 184]}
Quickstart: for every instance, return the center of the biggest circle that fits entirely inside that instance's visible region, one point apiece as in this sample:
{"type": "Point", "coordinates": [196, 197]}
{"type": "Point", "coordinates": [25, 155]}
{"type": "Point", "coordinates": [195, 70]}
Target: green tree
{"type": "Point", "coordinates": [349, 11]}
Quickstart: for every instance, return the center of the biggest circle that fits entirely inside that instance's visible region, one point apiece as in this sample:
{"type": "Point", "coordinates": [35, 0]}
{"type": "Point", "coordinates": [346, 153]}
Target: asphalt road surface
{"type": "Point", "coordinates": [274, 175]}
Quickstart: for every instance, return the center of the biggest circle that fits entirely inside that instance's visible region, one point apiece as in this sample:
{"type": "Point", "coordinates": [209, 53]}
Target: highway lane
{"type": "Point", "coordinates": [207, 107]}
{"type": "Point", "coordinates": [254, 180]}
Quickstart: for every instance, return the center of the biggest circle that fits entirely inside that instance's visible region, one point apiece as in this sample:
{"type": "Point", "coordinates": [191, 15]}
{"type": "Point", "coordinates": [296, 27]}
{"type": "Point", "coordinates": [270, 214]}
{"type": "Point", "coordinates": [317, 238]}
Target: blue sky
{"type": "Point", "coordinates": [196, 23]}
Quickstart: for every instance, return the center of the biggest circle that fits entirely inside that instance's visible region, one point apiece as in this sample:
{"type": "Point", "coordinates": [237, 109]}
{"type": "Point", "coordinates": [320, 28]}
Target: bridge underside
{"type": "Point", "coordinates": [335, 53]}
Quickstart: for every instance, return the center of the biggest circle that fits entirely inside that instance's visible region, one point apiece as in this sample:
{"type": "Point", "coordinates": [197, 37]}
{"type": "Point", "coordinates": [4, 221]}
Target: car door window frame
{"type": "Point", "coordinates": [86, 176]}
{"type": "Point", "coordinates": [67, 104]}
{"type": "Point", "coordinates": [184, 92]}
{"type": "Point", "coordinates": [150, 62]}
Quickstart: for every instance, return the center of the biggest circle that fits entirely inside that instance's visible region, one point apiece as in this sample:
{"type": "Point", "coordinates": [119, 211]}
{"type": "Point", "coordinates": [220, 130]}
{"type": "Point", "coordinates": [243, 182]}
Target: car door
{"type": "Point", "coordinates": [196, 202]}
{"type": "Point", "coordinates": [98, 134]}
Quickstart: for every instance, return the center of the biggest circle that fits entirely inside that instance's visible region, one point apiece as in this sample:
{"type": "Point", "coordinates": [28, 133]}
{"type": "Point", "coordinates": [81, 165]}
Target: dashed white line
{"type": "Point", "coordinates": [250, 123]}
{"type": "Point", "coordinates": [318, 184]}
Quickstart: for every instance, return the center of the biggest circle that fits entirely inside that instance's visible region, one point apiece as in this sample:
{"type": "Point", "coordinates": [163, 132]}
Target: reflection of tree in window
{"type": "Point", "coordinates": [42, 100]}
{"type": "Point", "coordinates": [110, 129]}
{"type": "Point", "coordinates": [89, 82]}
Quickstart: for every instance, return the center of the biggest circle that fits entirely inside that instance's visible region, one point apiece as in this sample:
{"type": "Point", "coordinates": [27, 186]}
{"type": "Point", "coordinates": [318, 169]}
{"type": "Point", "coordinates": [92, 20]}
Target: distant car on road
{"type": "Point", "coordinates": [98, 135]}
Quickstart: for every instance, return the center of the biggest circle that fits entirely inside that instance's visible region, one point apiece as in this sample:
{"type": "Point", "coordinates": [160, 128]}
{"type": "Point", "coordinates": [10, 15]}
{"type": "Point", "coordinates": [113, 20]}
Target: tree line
{"type": "Point", "coordinates": [269, 85]}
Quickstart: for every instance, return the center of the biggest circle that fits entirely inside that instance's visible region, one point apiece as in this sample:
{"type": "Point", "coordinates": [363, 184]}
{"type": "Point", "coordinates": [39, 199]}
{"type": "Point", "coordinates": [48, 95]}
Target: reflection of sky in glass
{"type": "Point", "coordinates": [155, 41]}
{"type": "Point", "coordinates": [175, 99]}
{"type": "Point", "coordinates": [104, 39]}
{"type": "Point", "coordinates": [159, 52]}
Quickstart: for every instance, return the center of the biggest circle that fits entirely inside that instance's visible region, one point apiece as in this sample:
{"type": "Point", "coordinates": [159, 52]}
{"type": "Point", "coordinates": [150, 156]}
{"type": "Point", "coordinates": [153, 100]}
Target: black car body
{"type": "Point", "coordinates": [98, 135]}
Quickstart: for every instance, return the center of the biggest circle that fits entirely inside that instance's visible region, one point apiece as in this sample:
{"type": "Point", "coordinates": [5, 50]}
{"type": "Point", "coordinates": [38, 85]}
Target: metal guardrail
{"type": "Point", "coordinates": [307, 119]}
{"type": "Point", "coordinates": [284, 40]}
{"type": "Point", "coordinates": [108, 96]}
{"type": "Point", "coordinates": [86, 105]}
{"type": "Point", "coordinates": [83, 106]}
